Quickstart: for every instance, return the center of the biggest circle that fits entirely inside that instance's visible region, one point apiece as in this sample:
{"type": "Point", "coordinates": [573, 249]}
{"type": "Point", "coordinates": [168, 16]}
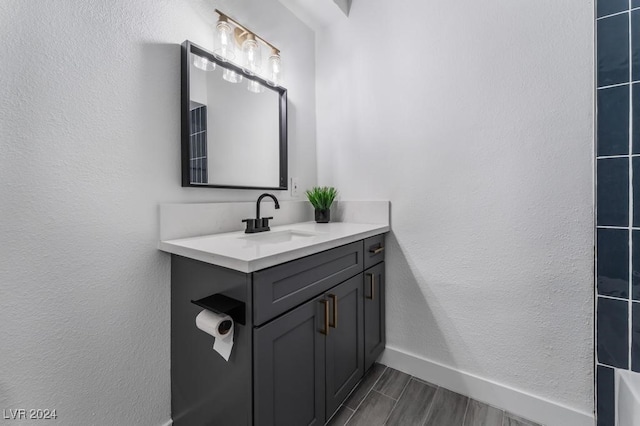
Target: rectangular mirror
{"type": "Point", "coordinates": [234, 125]}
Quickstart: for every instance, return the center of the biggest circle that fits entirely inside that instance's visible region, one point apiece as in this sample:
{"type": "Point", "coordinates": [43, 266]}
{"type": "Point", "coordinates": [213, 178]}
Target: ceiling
{"type": "Point", "coordinates": [318, 14]}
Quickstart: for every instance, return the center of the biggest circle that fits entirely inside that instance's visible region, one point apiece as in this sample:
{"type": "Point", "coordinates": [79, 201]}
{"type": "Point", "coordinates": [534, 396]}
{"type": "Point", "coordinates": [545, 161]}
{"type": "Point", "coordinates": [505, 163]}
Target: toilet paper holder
{"type": "Point", "coordinates": [221, 304]}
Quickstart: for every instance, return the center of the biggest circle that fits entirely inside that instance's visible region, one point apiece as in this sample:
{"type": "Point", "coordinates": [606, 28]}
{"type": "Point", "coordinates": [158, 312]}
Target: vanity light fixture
{"type": "Point", "coordinates": [224, 48]}
{"type": "Point", "coordinates": [254, 86]}
{"type": "Point", "coordinates": [252, 54]}
{"type": "Point", "coordinates": [275, 68]}
{"type": "Point", "coordinates": [251, 46]}
{"type": "Point", "coordinates": [203, 63]}
{"type": "Point", "coordinates": [231, 76]}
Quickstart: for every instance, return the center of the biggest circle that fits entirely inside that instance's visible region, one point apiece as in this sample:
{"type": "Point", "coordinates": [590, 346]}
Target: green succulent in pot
{"type": "Point", "coordinates": [321, 199]}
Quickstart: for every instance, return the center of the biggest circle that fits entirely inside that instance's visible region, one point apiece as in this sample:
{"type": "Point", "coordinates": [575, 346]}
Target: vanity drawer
{"type": "Point", "coordinates": [373, 250]}
{"type": "Point", "coordinates": [282, 287]}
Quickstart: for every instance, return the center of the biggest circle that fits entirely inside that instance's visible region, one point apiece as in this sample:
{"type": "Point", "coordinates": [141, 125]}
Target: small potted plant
{"type": "Point", "coordinates": [321, 199]}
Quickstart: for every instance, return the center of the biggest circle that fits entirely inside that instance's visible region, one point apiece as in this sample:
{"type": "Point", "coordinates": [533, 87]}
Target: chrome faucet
{"type": "Point", "coordinates": [260, 224]}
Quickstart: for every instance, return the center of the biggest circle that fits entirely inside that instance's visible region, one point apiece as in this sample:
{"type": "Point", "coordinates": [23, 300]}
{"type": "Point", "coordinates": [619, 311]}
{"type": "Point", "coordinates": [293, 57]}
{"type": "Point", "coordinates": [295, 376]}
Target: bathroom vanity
{"type": "Point", "coordinates": [312, 323]}
{"type": "Point", "coordinates": [307, 300]}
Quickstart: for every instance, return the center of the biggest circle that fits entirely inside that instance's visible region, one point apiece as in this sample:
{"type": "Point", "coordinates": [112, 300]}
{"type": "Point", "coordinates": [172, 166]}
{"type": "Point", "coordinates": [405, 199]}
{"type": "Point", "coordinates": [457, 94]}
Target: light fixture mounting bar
{"type": "Point", "coordinates": [243, 28]}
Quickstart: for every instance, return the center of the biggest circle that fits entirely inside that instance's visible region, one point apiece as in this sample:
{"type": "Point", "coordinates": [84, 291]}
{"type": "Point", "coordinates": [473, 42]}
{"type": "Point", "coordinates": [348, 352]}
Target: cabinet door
{"type": "Point", "coordinates": [289, 367]}
{"type": "Point", "coordinates": [374, 325]}
{"type": "Point", "coordinates": [345, 341]}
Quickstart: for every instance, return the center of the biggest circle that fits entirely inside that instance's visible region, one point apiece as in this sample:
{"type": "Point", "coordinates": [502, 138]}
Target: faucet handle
{"type": "Point", "coordinates": [265, 222]}
{"type": "Point", "coordinates": [251, 225]}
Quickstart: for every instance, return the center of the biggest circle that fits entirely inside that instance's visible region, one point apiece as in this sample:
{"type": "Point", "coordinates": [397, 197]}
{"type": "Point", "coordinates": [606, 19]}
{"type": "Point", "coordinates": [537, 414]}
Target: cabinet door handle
{"type": "Point", "coordinates": [373, 286]}
{"type": "Point", "coordinates": [334, 299]}
{"type": "Point", "coordinates": [326, 317]}
{"type": "Point", "coordinates": [377, 250]}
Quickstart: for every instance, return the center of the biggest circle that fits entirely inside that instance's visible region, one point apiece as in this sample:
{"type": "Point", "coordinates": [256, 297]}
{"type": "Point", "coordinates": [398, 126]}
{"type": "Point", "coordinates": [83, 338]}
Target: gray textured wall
{"type": "Point", "coordinates": [90, 145]}
{"type": "Point", "coordinates": [476, 120]}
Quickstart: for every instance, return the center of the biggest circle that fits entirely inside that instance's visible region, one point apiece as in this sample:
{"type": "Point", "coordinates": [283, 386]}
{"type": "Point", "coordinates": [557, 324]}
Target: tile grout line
{"type": "Point", "coordinates": [630, 165]}
{"type": "Point", "coordinates": [608, 157]}
{"type": "Point", "coordinates": [631, 9]}
{"type": "Point", "coordinates": [349, 418]}
{"type": "Point", "coordinates": [611, 86]}
{"type": "Point", "coordinates": [367, 394]}
{"type": "Point", "coordinates": [621, 299]}
{"type": "Point", "coordinates": [433, 400]}
{"type": "Point", "coordinates": [595, 212]}
{"type": "Point", "coordinates": [466, 408]}
{"type": "Point", "coordinates": [611, 15]}
{"type": "Point", "coordinates": [384, 394]}
{"type": "Point", "coordinates": [397, 400]}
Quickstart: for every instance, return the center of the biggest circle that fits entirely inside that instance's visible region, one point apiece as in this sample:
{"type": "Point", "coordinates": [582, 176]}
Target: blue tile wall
{"type": "Point", "coordinates": [613, 262]}
{"type": "Point", "coordinates": [635, 274]}
{"type": "Point", "coordinates": [617, 211]}
{"type": "Point", "coordinates": [607, 7]}
{"type": "Point", "coordinates": [635, 44]}
{"type": "Point", "coordinates": [613, 50]}
{"type": "Point", "coordinates": [198, 145]}
{"type": "Point", "coordinates": [613, 192]}
{"type": "Point", "coordinates": [605, 395]}
{"type": "Point", "coordinates": [613, 332]}
{"type": "Point", "coordinates": [613, 121]}
{"type": "Point", "coordinates": [635, 337]}
{"type": "Point", "coordinates": [635, 161]}
{"type": "Point", "coordinates": [635, 114]}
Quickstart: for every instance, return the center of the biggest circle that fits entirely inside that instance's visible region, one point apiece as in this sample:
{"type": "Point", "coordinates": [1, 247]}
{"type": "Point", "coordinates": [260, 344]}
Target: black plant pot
{"type": "Point", "coordinates": [323, 215]}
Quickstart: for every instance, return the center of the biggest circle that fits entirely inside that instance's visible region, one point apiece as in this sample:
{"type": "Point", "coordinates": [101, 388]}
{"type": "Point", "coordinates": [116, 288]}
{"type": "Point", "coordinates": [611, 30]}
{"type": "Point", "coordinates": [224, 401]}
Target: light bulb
{"type": "Point", "coordinates": [254, 86]}
{"type": "Point", "coordinates": [224, 41]}
{"type": "Point", "coordinates": [274, 76]}
{"type": "Point", "coordinates": [203, 63]}
{"type": "Point", "coordinates": [231, 76]}
{"type": "Point", "coordinates": [252, 54]}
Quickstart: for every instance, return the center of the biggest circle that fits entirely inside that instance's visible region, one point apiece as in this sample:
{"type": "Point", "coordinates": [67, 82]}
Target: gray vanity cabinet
{"type": "Point", "coordinates": [289, 368]}
{"type": "Point", "coordinates": [374, 297]}
{"type": "Point", "coordinates": [374, 330]}
{"type": "Point", "coordinates": [311, 328]}
{"type": "Point", "coordinates": [307, 361]}
{"type": "Point", "coordinates": [345, 342]}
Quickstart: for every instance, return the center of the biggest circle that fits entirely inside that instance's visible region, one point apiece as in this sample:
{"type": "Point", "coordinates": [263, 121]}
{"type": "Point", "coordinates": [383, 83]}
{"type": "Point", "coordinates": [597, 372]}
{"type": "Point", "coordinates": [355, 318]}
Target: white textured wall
{"type": "Point", "coordinates": [89, 146]}
{"type": "Point", "coordinates": [475, 120]}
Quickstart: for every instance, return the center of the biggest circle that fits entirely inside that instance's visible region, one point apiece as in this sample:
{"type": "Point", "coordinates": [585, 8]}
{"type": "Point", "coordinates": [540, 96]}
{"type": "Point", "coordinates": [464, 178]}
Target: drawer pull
{"type": "Point", "coordinates": [334, 299]}
{"type": "Point", "coordinates": [376, 251]}
{"type": "Point", "coordinates": [373, 286]}
{"type": "Point", "coordinates": [326, 317]}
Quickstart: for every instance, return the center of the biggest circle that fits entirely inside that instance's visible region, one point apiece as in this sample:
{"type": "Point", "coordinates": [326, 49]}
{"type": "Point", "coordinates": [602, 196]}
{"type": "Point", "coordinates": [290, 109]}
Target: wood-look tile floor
{"type": "Point", "coordinates": [389, 397]}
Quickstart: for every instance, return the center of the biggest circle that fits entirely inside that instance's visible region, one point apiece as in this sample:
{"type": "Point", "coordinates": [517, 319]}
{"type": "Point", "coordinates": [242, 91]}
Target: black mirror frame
{"type": "Point", "coordinates": [187, 48]}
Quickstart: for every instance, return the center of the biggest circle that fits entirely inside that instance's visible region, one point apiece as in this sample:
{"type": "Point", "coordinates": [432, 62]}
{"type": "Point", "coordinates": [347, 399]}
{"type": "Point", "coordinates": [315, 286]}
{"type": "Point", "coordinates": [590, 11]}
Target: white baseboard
{"type": "Point", "coordinates": [515, 401]}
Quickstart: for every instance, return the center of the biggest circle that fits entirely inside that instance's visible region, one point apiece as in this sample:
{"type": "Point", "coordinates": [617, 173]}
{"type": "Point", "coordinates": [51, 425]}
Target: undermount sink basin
{"type": "Point", "coordinates": [270, 237]}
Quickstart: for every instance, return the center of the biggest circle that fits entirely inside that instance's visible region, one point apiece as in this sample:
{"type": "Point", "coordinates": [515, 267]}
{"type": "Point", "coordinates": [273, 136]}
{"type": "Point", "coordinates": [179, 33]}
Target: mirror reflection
{"type": "Point", "coordinates": [235, 127]}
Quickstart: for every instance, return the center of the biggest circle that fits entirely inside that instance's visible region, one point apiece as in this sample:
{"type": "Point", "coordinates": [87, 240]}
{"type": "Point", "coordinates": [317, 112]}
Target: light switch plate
{"type": "Point", "coordinates": [294, 186]}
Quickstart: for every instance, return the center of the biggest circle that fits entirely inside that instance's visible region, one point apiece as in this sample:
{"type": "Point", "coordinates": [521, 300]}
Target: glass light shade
{"type": "Point", "coordinates": [203, 63]}
{"type": "Point", "coordinates": [231, 76]}
{"type": "Point", "coordinates": [274, 71]}
{"type": "Point", "coordinates": [254, 86]}
{"type": "Point", "coordinates": [252, 55]}
{"type": "Point", "coordinates": [224, 47]}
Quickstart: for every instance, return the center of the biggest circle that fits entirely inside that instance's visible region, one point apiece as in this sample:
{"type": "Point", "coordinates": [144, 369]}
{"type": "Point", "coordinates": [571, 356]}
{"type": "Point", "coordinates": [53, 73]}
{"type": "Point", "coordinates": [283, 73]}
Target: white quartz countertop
{"type": "Point", "coordinates": [252, 252]}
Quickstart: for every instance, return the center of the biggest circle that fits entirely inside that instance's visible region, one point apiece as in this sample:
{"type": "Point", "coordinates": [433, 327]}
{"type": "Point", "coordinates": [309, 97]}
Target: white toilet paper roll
{"type": "Point", "coordinates": [219, 326]}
